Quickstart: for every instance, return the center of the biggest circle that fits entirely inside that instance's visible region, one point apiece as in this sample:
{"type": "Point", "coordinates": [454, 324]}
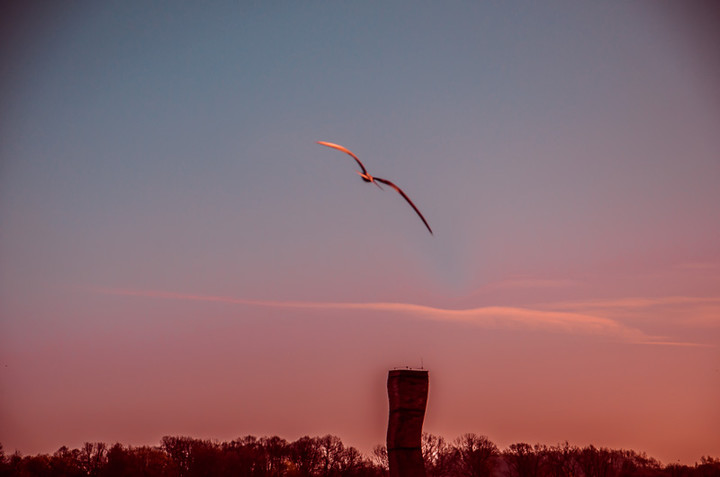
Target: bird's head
{"type": "Point", "coordinates": [365, 177]}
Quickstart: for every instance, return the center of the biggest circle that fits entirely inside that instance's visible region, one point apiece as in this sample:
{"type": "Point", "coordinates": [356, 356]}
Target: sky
{"type": "Point", "coordinates": [179, 257]}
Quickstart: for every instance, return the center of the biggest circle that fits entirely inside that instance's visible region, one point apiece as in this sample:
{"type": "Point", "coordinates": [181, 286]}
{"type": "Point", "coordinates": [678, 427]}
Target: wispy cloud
{"type": "Point", "coordinates": [488, 316]}
{"type": "Point", "coordinates": [677, 310]}
{"type": "Point", "coordinates": [634, 302]}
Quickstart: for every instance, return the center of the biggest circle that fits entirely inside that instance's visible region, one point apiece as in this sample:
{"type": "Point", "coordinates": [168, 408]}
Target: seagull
{"type": "Point", "coordinates": [365, 176]}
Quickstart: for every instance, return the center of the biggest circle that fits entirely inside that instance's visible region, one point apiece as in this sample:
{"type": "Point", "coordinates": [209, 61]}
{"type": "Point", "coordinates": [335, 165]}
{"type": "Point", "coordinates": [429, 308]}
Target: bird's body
{"type": "Point", "coordinates": [366, 177]}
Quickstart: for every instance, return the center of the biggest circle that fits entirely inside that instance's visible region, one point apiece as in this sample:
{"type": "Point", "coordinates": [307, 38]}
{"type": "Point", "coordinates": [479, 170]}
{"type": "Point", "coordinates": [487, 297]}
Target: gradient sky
{"type": "Point", "coordinates": [178, 256]}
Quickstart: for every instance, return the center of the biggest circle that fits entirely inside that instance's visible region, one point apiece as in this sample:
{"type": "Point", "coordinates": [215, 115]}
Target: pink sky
{"type": "Point", "coordinates": [179, 257]}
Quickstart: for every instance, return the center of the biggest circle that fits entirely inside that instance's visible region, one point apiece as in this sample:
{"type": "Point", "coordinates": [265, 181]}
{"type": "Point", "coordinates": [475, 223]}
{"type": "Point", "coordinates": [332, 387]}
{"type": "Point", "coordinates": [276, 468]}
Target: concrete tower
{"type": "Point", "coordinates": [407, 392]}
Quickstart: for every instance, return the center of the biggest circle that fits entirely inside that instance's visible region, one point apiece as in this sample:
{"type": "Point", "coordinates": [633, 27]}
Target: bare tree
{"type": "Point", "coordinates": [597, 462]}
{"type": "Point", "coordinates": [438, 455]}
{"type": "Point", "coordinates": [305, 456]}
{"type": "Point", "coordinates": [331, 449]}
{"type": "Point", "coordinates": [380, 457]}
{"type": "Point", "coordinates": [178, 449]}
{"type": "Point", "coordinates": [560, 461]}
{"type": "Point", "coordinates": [93, 457]}
{"type": "Point", "coordinates": [524, 460]}
{"type": "Point", "coordinates": [277, 453]}
{"type": "Point", "coordinates": [475, 456]}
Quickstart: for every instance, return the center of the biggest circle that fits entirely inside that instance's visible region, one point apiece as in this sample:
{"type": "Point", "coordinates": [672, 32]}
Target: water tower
{"type": "Point", "coordinates": [407, 392]}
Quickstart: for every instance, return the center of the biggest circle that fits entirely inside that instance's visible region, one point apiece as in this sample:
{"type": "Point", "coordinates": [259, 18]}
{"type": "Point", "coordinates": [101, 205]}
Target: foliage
{"type": "Point", "coordinates": [469, 455]}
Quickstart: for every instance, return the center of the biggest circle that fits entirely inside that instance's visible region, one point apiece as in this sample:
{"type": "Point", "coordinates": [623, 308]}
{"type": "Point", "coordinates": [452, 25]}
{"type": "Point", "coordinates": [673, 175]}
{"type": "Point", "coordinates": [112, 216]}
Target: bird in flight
{"type": "Point", "coordinates": [374, 180]}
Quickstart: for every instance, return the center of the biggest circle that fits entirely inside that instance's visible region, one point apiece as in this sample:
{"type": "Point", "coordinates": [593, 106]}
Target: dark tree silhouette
{"type": "Point", "coordinates": [305, 457]}
{"type": "Point", "coordinates": [245, 456]}
{"type": "Point", "coordinates": [475, 456]}
{"type": "Point", "coordinates": [709, 467]}
{"type": "Point", "coordinates": [276, 452]}
{"type": "Point", "coordinates": [93, 457]}
{"type": "Point", "coordinates": [140, 461]}
{"type": "Point", "coordinates": [178, 449]}
{"type": "Point", "coordinates": [331, 454]}
{"type": "Point", "coordinates": [380, 458]}
{"type": "Point", "coordinates": [468, 456]}
{"type": "Point", "coordinates": [524, 460]}
{"type": "Point", "coordinates": [560, 461]}
{"type": "Point", "coordinates": [597, 462]}
{"type": "Point", "coordinates": [66, 463]}
{"type": "Point", "coordinates": [438, 455]}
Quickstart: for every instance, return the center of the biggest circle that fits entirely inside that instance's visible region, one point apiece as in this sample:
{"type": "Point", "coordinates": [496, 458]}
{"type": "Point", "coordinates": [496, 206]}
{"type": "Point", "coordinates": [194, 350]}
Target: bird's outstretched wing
{"type": "Point", "coordinates": [345, 150]}
{"type": "Point", "coordinates": [387, 182]}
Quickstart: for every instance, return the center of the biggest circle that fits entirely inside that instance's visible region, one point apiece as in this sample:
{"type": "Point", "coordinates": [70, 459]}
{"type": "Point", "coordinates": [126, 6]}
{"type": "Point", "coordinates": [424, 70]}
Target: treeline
{"type": "Point", "coordinates": [476, 456]}
{"type": "Point", "coordinates": [467, 456]}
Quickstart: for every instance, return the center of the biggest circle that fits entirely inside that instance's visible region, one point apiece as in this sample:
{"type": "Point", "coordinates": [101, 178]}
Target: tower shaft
{"type": "Point", "coordinates": [407, 393]}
